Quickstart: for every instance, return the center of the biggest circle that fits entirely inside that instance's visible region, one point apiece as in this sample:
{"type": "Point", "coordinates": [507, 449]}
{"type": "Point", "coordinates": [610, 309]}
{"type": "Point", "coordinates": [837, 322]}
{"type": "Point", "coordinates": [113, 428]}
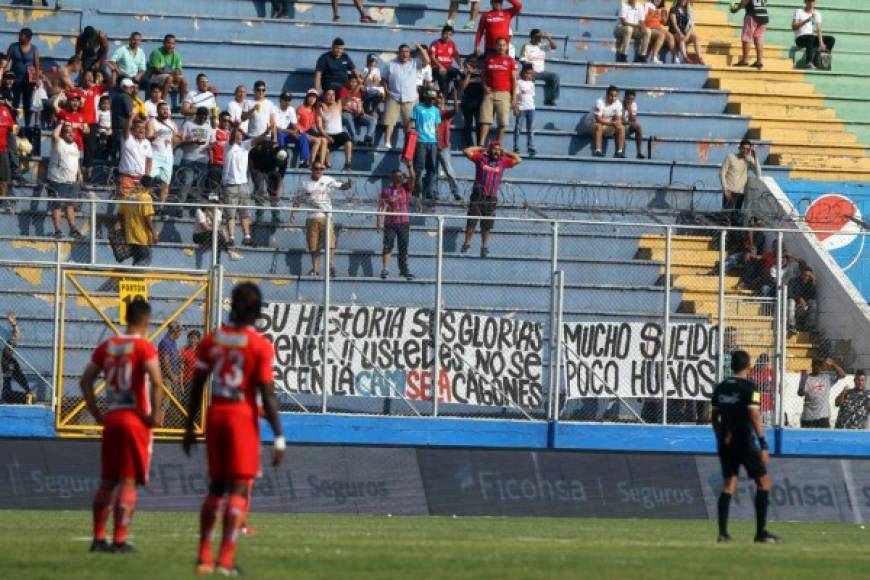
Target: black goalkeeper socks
{"type": "Point", "coordinates": [761, 510]}
{"type": "Point", "coordinates": [724, 505]}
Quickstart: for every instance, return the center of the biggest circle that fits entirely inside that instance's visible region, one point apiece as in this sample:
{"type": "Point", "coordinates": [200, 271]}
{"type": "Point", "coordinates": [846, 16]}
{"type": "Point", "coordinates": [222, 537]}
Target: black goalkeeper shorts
{"type": "Point", "coordinates": [746, 455]}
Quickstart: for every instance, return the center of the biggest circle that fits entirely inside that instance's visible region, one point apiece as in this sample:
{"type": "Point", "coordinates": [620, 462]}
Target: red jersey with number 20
{"type": "Point", "coordinates": [121, 359]}
{"type": "Point", "coordinates": [238, 359]}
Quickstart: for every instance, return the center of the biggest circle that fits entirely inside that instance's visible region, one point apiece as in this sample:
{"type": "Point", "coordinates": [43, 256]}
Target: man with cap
{"type": "Point", "coordinates": [333, 68]}
{"type": "Point", "coordinates": [122, 110]}
{"type": "Point", "coordinates": [288, 131]}
{"type": "Point", "coordinates": [425, 120]}
{"type": "Point", "coordinates": [72, 114]}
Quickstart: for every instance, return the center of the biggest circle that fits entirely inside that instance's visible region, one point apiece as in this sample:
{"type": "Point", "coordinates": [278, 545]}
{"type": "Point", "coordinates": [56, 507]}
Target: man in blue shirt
{"type": "Point", "coordinates": [425, 119]}
{"type": "Point", "coordinates": [170, 359]}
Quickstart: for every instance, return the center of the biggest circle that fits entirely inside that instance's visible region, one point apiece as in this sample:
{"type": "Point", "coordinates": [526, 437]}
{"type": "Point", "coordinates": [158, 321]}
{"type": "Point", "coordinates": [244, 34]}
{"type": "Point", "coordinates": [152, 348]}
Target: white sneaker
{"type": "Point", "coordinates": [387, 146]}
{"type": "Point", "coordinates": [657, 60]}
{"type": "Point", "coordinates": [234, 255]}
{"type": "Point", "coordinates": [677, 60]}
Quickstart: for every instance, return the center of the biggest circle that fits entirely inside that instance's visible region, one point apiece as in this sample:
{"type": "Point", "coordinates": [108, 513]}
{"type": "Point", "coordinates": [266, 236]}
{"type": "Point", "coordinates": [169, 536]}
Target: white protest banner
{"type": "Point", "coordinates": [624, 359]}
{"type": "Point", "coordinates": [387, 352]}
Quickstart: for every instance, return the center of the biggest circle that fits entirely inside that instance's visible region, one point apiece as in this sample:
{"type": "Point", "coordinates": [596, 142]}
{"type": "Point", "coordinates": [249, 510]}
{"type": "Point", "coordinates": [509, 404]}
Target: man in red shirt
{"type": "Point", "coordinates": [74, 115]}
{"type": "Point", "coordinates": [134, 395]}
{"type": "Point", "coordinates": [216, 152]}
{"type": "Point", "coordinates": [7, 123]}
{"type": "Point", "coordinates": [495, 24]}
{"type": "Point", "coordinates": [90, 99]}
{"type": "Point", "coordinates": [443, 53]}
{"type": "Point", "coordinates": [499, 73]}
{"type": "Point", "coordinates": [396, 200]}
{"type": "Point", "coordinates": [188, 360]}
{"type": "Point", "coordinates": [489, 169]}
{"type": "Point", "coordinates": [239, 361]}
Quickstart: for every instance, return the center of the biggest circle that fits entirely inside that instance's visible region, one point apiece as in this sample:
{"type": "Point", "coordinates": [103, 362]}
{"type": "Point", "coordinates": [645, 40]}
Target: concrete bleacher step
{"type": "Point", "coordinates": [782, 110]}
{"type": "Point", "coordinates": [705, 258]}
{"type": "Point", "coordinates": [705, 283]}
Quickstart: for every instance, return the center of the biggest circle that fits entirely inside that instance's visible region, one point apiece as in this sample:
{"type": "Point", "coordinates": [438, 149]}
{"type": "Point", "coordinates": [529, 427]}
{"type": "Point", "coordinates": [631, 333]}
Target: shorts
{"type": "Point", "coordinates": [315, 233]}
{"type": "Point", "coordinates": [125, 452]}
{"type": "Point", "coordinates": [236, 195]}
{"type": "Point", "coordinates": [749, 456]}
{"type": "Point", "coordinates": [232, 442]}
{"type": "Point", "coordinates": [157, 79]}
{"type": "Point", "coordinates": [589, 124]}
{"type": "Point", "coordinates": [394, 109]}
{"type": "Point", "coordinates": [161, 168]}
{"type": "Point", "coordinates": [752, 30]}
{"type": "Point", "coordinates": [67, 190]}
{"type": "Point", "coordinates": [128, 184]}
{"type": "Point", "coordinates": [496, 104]}
{"type": "Point", "coordinates": [480, 208]}
{"type": "Point", "coordinates": [338, 140]}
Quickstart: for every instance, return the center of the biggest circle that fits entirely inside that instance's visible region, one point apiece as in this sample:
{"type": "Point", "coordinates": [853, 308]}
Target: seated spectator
{"type": "Point", "coordinates": [525, 109]}
{"type": "Point", "coordinates": [631, 24]}
{"type": "Point", "coordinates": [743, 244]}
{"type": "Point", "coordinates": [630, 122]}
{"type": "Point", "coordinates": [261, 113]}
{"type": "Point", "coordinates": [314, 194]}
{"type": "Point", "coordinates": [353, 114]}
{"type": "Point", "coordinates": [400, 83]}
{"type": "Point", "coordinates": [197, 137]}
{"type": "Point", "coordinates": [11, 368]}
{"type": "Point", "coordinates": [92, 48]}
{"type": "Point", "coordinates": [373, 85]}
{"type": "Point", "coordinates": [288, 129]}
{"type": "Point", "coordinates": [682, 23]}
{"type": "Point", "coordinates": [605, 121]}
{"type": "Point", "coordinates": [164, 136]}
{"type": "Point", "coordinates": [307, 121]}
{"type": "Point", "coordinates": [472, 98]}
{"type": "Point", "coordinates": [281, 9]}
{"type": "Point", "coordinates": [64, 175]}
{"type": "Point", "coordinates": [802, 305]}
{"type": "Point", "coordinates": [202, 96]}
{"type": "Point", "coordinates": [444, 161]}
{"type": "Point", "coordinates": [234, 181]}
{"type": "Point", "coordinates": [854, 405]}
{"type": "Point", "coordinates": [754, 26]}
{"type": "Point", "coordinates": [490, 165]}
{"type": "Point", "coordinates": [268, 163]}
{"type": "Point", "coordinates": [734, 177]}
{"type": "Point", "coordinates": [207, 219]}
{"type": "Point", "coordinates": [807, 26]}
{"type": "Point", "coordinates": [396, 200]}
{"type": "Point", "coordinates": [332, 128]}
{"type": "Point", "coordinates": [499, 91]}
{"type": "Point", "coordinates": [334, 68]}
{"type": "Point", "coordinates": [815, 388]}
{"type": "Point", "coordinates": [129, 61]}
{"type": "Point", "coordinates": [444, 54]}
{"type": "Point", "coordinates": [656, 22]}
{"type": "Point", "coordinates": [535, 54]}
{"type": "Point", "coordinates": [425, 120]}
{"type": "Point", "coordinates": [363, 17]}
{"type": "Point", "coordinates": [164, 68]}
{"type": "Point", "coordinates": [472, 17]}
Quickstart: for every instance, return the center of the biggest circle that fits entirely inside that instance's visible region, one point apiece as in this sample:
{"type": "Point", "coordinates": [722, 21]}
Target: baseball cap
{"type": "Point", "coordinates": [286, 96]}
{"type": "Point", "coordinates": [312, 92]}
{"type": "Point", "coordinates": [74, 94]}
{"type": "Point", "coordinates": [431, 94]}
{"type": "Point", "coordinates": [126, 83]}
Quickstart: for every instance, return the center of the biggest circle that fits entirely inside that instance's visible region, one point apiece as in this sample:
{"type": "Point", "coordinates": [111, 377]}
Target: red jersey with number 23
{"type": "Point", "coordinates": [238, 359]}
{"type": "Point", "coordinates": [121, 359]}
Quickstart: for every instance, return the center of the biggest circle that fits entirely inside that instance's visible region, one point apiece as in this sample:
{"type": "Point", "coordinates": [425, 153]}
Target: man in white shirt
{"type": "Point", "coordinates": [400, 83]}
{"type": "Point", "coordinates": [535, 54]}
{"type": "Point", "coordinates": [234, 181]}
{"type": "Point", "coordinates": [314, 195]}
{"type": "Point", "coordinates": [606, 120]}
{"type": "Point", "coordinates": [260, 113]}
{"type": "Point", "coordinates": [629, 25]}
{"type": "Point", "coordinates": [288, 132]}
{"type": "Point", "coordinates": [201, 97]}
{"type": "Point", "coordinates": [807, 26]}
{"type": "Point", "coordinates": [164, 136]}
{"type": "Point", "coordinates": [239, 105]}
{"type": "Point", "coordinates": [197, 136]}
{"type": "Point", "coordinates": [136, 155]}
{"type": "Point", "coordinates": [64, 175]}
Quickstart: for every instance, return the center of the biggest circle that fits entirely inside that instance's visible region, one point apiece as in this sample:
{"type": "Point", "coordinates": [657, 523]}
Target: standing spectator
{"type": "Point", "coordinates": [11, 143]}
{"type": "Point", "coordinates": [754, 26]}
{"type": "Point", "coordinates": [444, 161]}
{"type": "Point", "coordinates": [216, 152]}
{"type": "Point", "coordinates": [72, 113]}
{"type": "Point", "coordinates": [136, 155]}
{"type": "Point", "coordinates": [734, 176]}
{"type": "Point", "coordinates": [164, 136]}
{"type": "Point", "coordinates": [128, 61]}
{"type": "Point", "coordinates": [197, 137]}
{"type": "Point", "coordinates": [472, 99]}
{"type": "Point", "coordinates": [332, 128]}
{"type": "Point", "coordinates": [525, 109]}
{"type": "Point", "coordinates": [268, 162]}
{"type": "Point", "coordinates": [535, 54]}
{"type": "Point", "coordinates": [472, 17]}
{"type": "Point", "coordinates": [333, 68]}
{"type": "Point", "coordinates": [137, 222]}
{"type": "Point", "coordinates": [425, 120]}
{"type": "Point", "coordinates": [63, 78]}
{"type": "Point", "coordinates": [7, 123]}
{"type": "Point", "coordinates": [92, 48]}
{"type": "Point", "coordinates": [238, 106]}
{"type": "Point", "coordinates": [261, 113]}
{"type": "Point", "coordinates": [23, 60]}
{"type": "Point", "coordinates": [122, 111]}
{"type": "Point", "coordinates": [489, 169]}
{"type": "Point", "coordinates": [288, 129]}
{"type": "Point", "coordinates": [396, 200]}
{"type": "Point", "coordinates": [164, 68]}
{"type": "Point", "coordinates": [499, 91]}
{"type": "Point", "coordinates": [202, 96]}
{"type": "Point", "coordinates": [495, 25]}
{"type": "Point", "coordinates": [657, 23]}
{"type": "Point", "coordinates": [91, 94]}
{"type": "Point", "coordinates": [807, 26]}
{"type": "Point", "coordinates": [314, 194]}
{"type": "Point", "coordinates": [682, 21]}
{"type": "Point", "coordinates": [631, 24]}
{"type": "Point", "coordinates": [353, 113]}
{"type": "Point", "coordinates": [373, 85]}
{"type": "Point", "coordinates": [104, 127]}
{"type": "Point", "coordinates": [64, 176]}
{"type": "Point", "coordinates": [235, 182]}
{"type": "Point", "coordinates": [365, 19]}
{"type": "Point", "coordinates": [307, 120]}
{"type": "Point", "coordinates": [630, 122]}
{"type": "Point", "coordinates": [444, 54]}
{"type": "Point", "coordinates": [170, 358]}
{"type": "Point", "coordinates": [400, 83]}
{"type": "Point", "coordinates": [188, 363]}
{"type": "Point", "coordinates": [802, 305]}
{"type": "Point", "coordinates": [815, 388]}
{"type": "Point", "coordinates": [11, 368]}
{"type": "Point", "coordinates": [854, 405]}
{"type": "Point", "coordinates": [605, 121]}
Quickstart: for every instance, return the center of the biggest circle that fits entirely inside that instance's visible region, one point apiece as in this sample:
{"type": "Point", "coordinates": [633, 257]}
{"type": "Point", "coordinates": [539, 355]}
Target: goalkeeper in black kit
{"type": "Point", "coordinates": [740, 441]}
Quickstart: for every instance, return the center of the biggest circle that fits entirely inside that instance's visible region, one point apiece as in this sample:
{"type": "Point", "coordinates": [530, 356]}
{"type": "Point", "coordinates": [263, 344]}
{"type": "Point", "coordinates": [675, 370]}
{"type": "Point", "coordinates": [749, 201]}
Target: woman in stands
{"type": "Point", "coordinates": [657, 22]}
{"type": "Point", "coordinates": [331, 126]}
{"type": "Point", "coordinates": [682, 20]}
{"type": "Point", "coordinates": [306, 121]}
{"type": "Point", "coordinates": [23, 60]}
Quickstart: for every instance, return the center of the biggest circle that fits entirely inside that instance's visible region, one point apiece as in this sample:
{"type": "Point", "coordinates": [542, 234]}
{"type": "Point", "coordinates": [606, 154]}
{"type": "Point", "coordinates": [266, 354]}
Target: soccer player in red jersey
{"type": "Point", "coordinates": [134, 392]}
{"type": "Point", "coordinates": [239, 361]}
{"type": "Point", "coordinates": [495, 24]}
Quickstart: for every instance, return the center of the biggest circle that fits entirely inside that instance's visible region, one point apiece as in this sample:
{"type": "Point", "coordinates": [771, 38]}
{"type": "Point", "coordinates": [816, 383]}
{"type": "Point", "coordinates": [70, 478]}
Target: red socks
{"type": "Point", "coordinates": [234, 516]}
{"type": "Point", "coordinates": [207, 517]}
{"type": "Point", "coordinates": [125, 504]}
{"type": "Point", "coordinates": [101, 506]}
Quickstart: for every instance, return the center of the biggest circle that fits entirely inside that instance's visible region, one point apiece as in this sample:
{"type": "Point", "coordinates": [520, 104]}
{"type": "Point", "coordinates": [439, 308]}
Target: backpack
{"type": "Point", "coordinates": [822, 60]}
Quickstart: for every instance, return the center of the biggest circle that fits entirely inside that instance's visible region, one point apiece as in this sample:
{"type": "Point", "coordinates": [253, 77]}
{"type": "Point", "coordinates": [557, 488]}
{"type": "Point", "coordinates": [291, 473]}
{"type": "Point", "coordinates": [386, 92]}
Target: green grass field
{"type": "Point", "coordinates": [42, 544]}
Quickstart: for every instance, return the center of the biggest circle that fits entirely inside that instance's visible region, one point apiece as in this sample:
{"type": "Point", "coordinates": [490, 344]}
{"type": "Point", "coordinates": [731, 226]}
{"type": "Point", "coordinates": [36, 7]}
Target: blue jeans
{"type": "Point", "coordinates": [193, 175]}
{"type": "Point", "coordinates": [302, 144]}
{"type": "Point", "coordinates": [367, 125]}
{"type": "Point", "coordinates": [426, 159]}
{"type": "Point", "coordinates": [529, 117]}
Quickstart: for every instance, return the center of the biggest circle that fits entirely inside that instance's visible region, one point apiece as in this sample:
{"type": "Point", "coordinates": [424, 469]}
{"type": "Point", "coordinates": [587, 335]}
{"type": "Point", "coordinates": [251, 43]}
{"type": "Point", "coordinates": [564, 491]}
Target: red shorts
{"type": "Point", "coordinates": [752, 30]}
{"type": "Point", "coordinates": [126, 449]}
{"type": "Point", "coordinates": [232, 439]}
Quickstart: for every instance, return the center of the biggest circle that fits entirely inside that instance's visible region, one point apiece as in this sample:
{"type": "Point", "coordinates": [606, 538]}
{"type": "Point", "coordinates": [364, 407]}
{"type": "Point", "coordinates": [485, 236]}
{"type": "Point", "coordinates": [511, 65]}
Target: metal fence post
{"type": "Point", "coordinates": [217, 296]}
{"type": "Point", "coordinates": [666, 331]}
{"type": "Point", "coordinates": [324, 362]}
{"type": "Point", "coordinates": [215, 234]}
{"type": "Point", "coordinates": [436, 323]}
{"type": "Point", "coordinates": [58, 312]}
{"type": "Point", "coordinates": [720, 366]}
{"type": "Point", "coordinates": [554, 377]}
{"type": "Point", "coordinates": [552, 410]}
{"type": "Point", "coordinates": [780, 339]}
{"type": "Point", "coordinates": [93, 240]}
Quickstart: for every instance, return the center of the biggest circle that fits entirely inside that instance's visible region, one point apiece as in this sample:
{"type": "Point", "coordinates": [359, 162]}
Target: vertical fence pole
{"type": "Point", "coordinates": [217, 296]}
{"type": "Point", "coordinates": [555, 384]}
{"type": "Point", "coordinates": [215, 232]}
{"type": "Point", "coordinates": [780, 322]}
{"type": "Point", "coordinates": [720, 366]}
{"type": "Point", "coordinates": [436, 318]}
{"type": "Point", "coordinates": [666, 334]}
{"type": "Point", "coordinates": [93, 240]}
{"type": "Point", "coordinates": [58, 312]}
{"type": "Point", "coordinates": [324, 362]}
{"type": "Point", "coordinates": [555, 331]}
